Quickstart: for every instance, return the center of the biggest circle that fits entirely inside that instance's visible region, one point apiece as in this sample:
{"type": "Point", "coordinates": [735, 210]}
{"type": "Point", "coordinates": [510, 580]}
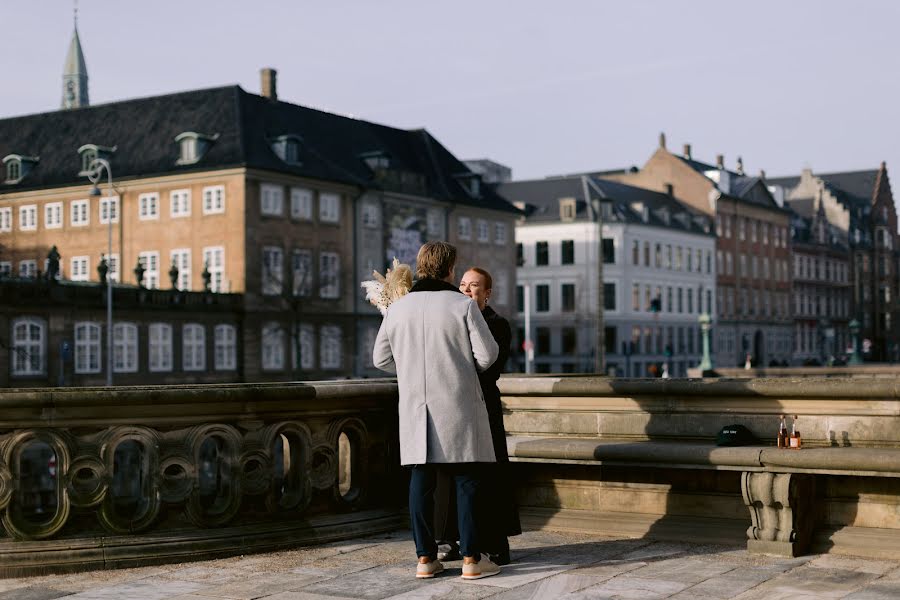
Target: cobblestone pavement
{"type": "Point", "coordinates": [547, 565]}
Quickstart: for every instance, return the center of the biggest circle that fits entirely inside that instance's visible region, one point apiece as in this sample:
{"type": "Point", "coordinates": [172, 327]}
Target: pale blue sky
{"type": "Point", "coordinates": [544, 87]}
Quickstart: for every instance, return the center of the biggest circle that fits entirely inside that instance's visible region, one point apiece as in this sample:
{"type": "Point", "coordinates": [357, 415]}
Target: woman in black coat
{"type": "Point", "coordinates": [499, 513]}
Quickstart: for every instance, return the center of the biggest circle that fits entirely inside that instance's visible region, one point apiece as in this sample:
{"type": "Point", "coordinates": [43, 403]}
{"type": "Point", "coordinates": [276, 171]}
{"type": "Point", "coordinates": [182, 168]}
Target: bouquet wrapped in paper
{"type": "Point", "coordinates": [384, 289]}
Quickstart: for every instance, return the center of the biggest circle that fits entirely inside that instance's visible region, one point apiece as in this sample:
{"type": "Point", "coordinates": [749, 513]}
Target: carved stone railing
{"type": "Point", "coordinates": [95, 477]}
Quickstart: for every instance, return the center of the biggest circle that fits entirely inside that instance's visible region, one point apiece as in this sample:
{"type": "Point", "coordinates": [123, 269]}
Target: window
{"type": "Point", "coordinates": [5, 268]}
{"type": "Point", "coordinates": [646, 254]}
{"type": "Point", "coordinates": [635, 252]}
{"type": "Point", "coordinates": [112, 261]}
{"type": "Point", "coordinates": [657, 256]}
{"type": "Point", "coordinates": [306, 346]}
{"type": "Point", "coordinates": [727, 220]}
{"type": "Point", "coordinates": [6, 219]}
{"type": "Point", "coordinates": [148, 206]}
{"type": "Point", "coordinates": [28, 268]}
{"type": "Point", "coordinates": [213, 199]}
{"type": "Point", "coordinates": [28, 217]}
{"type": "Point", "coordinates": [181, 258]}
{"type": "Point", "coordinates": [542, 254]}
{"type": "Point", "coordinates": [109, 210]}
{"type": "Point", "coordinates": [543, 297]}
{"type": "Point", "coordinates": [29, 354]}
{"type": "Point", "coordinates": [53, 217]}
{"type": "Point", "coordinates": [371, 215]}
{"type": "Point", "coordinates": [13, 170]}
{"type": "Point", "coordinates": [272, 347]}
{"type": "Point", "coordinates": [88, 156]}
{"type": "Point", "coordinates": [636, 297]}
{"type": "Point", "coordinates": [610, 335]}
{"type": "Point", "coordinates": [568, 252]}
{"type": "Point", "coordinates": [81, 268]}
{"type": "Point", "coordinates": [464, 228]}
{"type": "Point", "coordinates": [193, 347]}
{"type": "Point", "coordinates": [567, 291]}
{"type": "Point", "coordinates": [569, 340]}
{"type": "Point", "coordinates": [125, 348]}
{"type": "Point", "coordinates": [271, 199]}
{"type": "Point", "coordinates": [150, 261]}
{"type": "Point", "coordinates": [609, 251]}
{"type": "Point", "coordinates": [214, 262]}
{"type": "Point", "coordinates": [160, 335]}
{"type": "Point", "coordinates": [742, 232]}
{"type": "Point", "coordinates": [329, 208]}
{"type": "Point", "coordinates": [301, 204]}
{"type": "Point", "coordinates": [484, 231]}
{"type": "Point", "coordinates": [435, 223]}
{"type": "Point", "coordinates": [301, 272]}
{"type": "Point", "coordinates": [187, 151]}
{"type": "Point", "coordinates": [520, 298]}
{"type": "Point", "coordinates": [690, 300]}
{"type": "Point", "coordinates": [87, 347]}
{"type": "Point", "coordinates": [180, 203]}
{"type": "Point", "coordinates": [329, 275]}
{"type": "Point", "coordinates": [80, 214]}
{"type": "Point", "coordinates": [678, 258]}
{"type": "Point", "coordinates": [567, 209]}
{"type": "Point", "coordinates": [542, 343]}
{"type": "Point", "coordinates": [225, 339]}
{"type": "Point", "coordinates": [609, 296]}
{"type": "Point", "coordinates": [272, 270]}
{"type": "Point", "coordinates": [330, 347]}
{"type": "Point", "coordinates": [499, 233]}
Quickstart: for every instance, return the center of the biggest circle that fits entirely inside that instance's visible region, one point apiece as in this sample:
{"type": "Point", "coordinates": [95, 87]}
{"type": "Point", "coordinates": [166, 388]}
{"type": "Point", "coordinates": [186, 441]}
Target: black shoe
{"type": "Point", "coordinates": [500, 559]}
{"type": "Point", "coordinates": [449, 551]}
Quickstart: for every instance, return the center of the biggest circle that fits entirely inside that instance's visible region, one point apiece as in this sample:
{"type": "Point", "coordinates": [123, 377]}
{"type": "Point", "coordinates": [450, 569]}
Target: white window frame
{"type": "Point", "coordinates": [5, 219]}
{"type": "Point", "coordinates": [150, 260]}
{"type": "Point", "coordinates": [88, 338]}
{"type": "Point", "coordinates": [80, 268]}
{"type": "Point", "coordinates": [5, 268]}
{"type": "Point", "coordinates": [331, 355]}
{"type": "Point", "coordinates": [435, 223]}
{"type": "Point", "coordinates": [28, 217]}
{"type": "Point", "coordinates": [272, 346]}
{"type": "Point", "coordinates": [29, 266]}
{"type": "Point", "coordinates": [112, 261]}
{"type": "Point", "coordinates": [329, 289]}
{"type": "Point", "coordinates": [80, 213]}
{"type": "Point", "coordinates": [53, 215]}
{"type": "Point", "coordinates": [214, 262]}
{"type": "Point", "coordinates": [483, 231]}
{"type": "Point", "coordinates": [371, 215]}
{"type": "Point", "coordinates": [111, 204]}
{"type": "Point", "coordinates": [500, 236]}
{"type": "Point", "coordinates": [148, 206]}
{"type": "Point", "coordinates": [214, 200]}
{"type": "Point", "coordinates": [125, 348]}
{"type": "Point", "coordinates": [225, 343]}
{"type": "Point", "coordinates": [28, 352]}
{"type": "Point", "coordinates": [180, 203]}
{"type": "Point", "coordinates": [464, 228]}
{"type": "Point", "coordinates": [307, 344]}
{"type": "Point", "coordinates": [181, 258]}
{"type": "Point", "coordinates": [301, 204]}
{"type": "Point", "coordinates": [329, 207]}
{"type": "Point", "coordinates": [272, 270]}
{"type": "Point", "coordinates": [159, 344]}
{"type": "Point", "coordinates": [302, 278]}
{"type": "Point", "coordinates": [271, 200]}
{"type": "Point", "coordinates": [193, 347]}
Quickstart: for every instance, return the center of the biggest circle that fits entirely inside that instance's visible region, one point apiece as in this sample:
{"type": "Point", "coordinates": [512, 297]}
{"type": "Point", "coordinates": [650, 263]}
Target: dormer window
{"type": "Point", "coordinates": [471, 182]}
{"type": "Point", "coordinates": [91, 152]}
{"type": "Point", "coordinates": [287, 148]}
{"type": "Point", "coordinates": [567, 209]}
{"type": "Point", "coordinates": [17, 167]}
{"type": "Point", "coordinates": [376, 160]}
{"type": "Point", "coordinates": [192, 146]}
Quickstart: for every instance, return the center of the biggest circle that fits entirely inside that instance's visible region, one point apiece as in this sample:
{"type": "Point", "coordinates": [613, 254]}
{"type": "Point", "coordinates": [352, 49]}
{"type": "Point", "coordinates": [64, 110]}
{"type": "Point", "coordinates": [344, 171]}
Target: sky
{"type": "Point", "coordinates": [542, 87]}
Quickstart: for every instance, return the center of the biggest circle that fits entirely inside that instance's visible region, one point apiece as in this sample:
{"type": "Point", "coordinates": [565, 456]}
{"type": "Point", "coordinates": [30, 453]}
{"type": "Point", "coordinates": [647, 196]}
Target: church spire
{"type": "Point", "coordinates": [75, 77]}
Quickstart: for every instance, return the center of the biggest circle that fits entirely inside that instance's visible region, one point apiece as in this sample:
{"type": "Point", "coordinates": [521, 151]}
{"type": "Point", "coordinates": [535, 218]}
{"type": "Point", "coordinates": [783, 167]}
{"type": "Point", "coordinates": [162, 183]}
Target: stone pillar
{"type": "Point", "coordinates": [780, 512]}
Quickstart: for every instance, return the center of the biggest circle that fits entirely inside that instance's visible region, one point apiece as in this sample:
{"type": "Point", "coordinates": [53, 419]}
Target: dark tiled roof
{"type": "Point", "coordinates": [144, 130]}
{"type": "Point", "coordinates": [543, 195]}
{"type": "Point", "coordinates": [853, 188]}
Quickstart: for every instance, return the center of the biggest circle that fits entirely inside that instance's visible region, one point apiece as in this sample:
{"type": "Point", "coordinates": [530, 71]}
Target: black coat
{"type": "Point", "coordinates": [503, 336]}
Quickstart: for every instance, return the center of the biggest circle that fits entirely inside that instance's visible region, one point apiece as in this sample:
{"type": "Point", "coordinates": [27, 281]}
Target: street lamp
{"type": "Point", "coordinates": [854, 331]}
{"type": "Point", "coordinates": [706, 362]}
{"type": "Point", "coordinates": [94, 174]}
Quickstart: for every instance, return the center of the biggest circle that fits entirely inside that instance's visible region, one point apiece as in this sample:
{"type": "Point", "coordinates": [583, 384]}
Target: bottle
{"type": "Point", "coordinates": [795, 440]}
{"type": "Point", "coordinates": [782, 434]}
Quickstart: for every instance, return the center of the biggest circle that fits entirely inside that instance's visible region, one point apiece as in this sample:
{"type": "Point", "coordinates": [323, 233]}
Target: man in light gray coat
{"type": "Point", "coordinates": [436, 341]}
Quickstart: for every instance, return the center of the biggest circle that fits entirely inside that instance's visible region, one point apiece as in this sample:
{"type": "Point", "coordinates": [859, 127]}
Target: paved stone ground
{"type": "Point", "coordinates": [548, 566]}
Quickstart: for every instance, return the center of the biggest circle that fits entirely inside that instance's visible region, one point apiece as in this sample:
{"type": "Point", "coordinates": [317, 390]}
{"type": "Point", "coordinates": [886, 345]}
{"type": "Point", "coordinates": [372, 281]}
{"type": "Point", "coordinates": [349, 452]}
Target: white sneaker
{"type": "Point", "coordinates": [427, 570]}
{"type": "Point", "coordinates": [479, 570]}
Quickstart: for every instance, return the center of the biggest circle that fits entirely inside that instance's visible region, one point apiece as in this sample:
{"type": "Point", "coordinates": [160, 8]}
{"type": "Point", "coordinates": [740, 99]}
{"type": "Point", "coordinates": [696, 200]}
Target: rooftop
{"type": "Point", "coordinates": [548, 565]}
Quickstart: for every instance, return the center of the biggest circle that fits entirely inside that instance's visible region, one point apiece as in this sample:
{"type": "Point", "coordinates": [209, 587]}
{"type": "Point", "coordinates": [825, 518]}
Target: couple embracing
{"type": "Point", "coordinates": [447, 360]}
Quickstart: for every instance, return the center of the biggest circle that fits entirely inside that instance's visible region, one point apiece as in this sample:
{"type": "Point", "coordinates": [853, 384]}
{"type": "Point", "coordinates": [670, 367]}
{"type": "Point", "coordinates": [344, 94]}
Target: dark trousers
{"type": "Point", "coordinates": [422, 482]}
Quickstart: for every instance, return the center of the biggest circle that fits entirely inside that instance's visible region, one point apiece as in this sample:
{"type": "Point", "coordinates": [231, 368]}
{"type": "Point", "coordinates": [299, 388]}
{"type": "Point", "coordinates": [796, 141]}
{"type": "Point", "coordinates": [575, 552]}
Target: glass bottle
{"type": "Point", "coordinates": [795, 441]}
{"type": "Point", "coordinates": [782, 434]}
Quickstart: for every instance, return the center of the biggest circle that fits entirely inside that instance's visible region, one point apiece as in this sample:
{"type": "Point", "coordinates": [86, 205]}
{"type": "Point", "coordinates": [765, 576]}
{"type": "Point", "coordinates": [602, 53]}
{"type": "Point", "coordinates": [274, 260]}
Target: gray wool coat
{"type": "Point", "coordinates": [436, 342]}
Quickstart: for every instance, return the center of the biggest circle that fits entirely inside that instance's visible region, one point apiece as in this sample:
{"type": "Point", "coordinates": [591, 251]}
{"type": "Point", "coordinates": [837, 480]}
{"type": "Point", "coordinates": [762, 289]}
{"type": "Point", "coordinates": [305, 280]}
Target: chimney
{"type": "Point", "coordinates": [740, 166]}
{"type": "Point", "coordinates": [687, 150]}
{"type": "Point", "coordinates": [670, 189]}
{"type": "Point", "coordinates": [662, 139]}
{"type": "Point", "coordinates": [268, 87]}
{"type": "Point", "coordinates": [720, 161]}
{"type": "Point", "coordinates": [762, 174]}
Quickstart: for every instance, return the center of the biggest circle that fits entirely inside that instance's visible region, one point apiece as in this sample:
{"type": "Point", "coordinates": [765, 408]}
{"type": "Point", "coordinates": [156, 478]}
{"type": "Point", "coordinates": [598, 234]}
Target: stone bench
{"type": "Point", "coordinates": [639, 458]}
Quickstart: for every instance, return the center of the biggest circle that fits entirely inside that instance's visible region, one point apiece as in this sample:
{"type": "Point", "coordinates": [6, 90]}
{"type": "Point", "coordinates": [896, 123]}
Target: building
{"type": "Point", "coordinates": [656, 260]}
{"type": "Point", "coordinates": [753, 279]}
{"type": "Point", "coordinates": [490, 171]}
{"type": "Point", "coordinates": [287, 206]}
{"type": "Point", "coordinates": [855, 211]}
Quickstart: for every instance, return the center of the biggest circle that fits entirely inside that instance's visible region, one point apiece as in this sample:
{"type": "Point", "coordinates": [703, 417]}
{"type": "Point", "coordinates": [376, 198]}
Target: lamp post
{"type": "Point", "coordinates": [854, 331]}
{"type": "Point", "coordinates": [706, 362]}
{"type": "Point", "coordinates": [94, 174]}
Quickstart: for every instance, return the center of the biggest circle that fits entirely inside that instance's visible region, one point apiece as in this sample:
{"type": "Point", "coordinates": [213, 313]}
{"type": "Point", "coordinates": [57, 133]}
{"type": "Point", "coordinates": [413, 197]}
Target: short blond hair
{"type": "Point", "coordinates": [435, 260]}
